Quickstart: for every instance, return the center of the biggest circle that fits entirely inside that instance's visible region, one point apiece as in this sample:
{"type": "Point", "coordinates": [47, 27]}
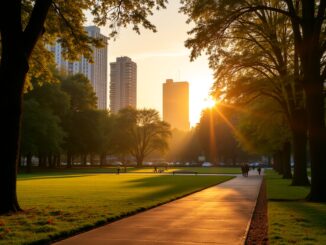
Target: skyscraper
{"type": "Point", "coordinates": [123, 85]}
{"type": "Point", "coordinates": [176, 104]}
{"type": "Point", "coordinates": [96, 72]}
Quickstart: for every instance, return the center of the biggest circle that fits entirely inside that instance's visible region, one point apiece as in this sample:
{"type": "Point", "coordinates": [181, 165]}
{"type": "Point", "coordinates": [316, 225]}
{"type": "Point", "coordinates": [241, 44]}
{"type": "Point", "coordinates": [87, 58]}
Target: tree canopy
{"type": "Point", "coordinates": [258, 40]}
{"type": "Point", "coordinates": [26, 26]}
{"type": "Point", "coordinates": [142, 132]}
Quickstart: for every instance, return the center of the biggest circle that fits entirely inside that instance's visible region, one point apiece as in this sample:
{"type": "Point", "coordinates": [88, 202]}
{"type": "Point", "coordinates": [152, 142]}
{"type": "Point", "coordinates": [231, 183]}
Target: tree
{"type": "Point", "coordinates": [308, 27]}
{"type": "Point", "coordinates": [260, 64]}
{"type": "Point", "coordinates": [217, 134]}
{"type": "Point", "coordinates": [142, 132]}
{"type": "Point", "coordinates": [22, 24]}
{"type": "Point", "coordinates": [264, 131]}
{"type": "Point", "coordinates": [49, 99]}
{"type": "Point", "coordinates": [108, 135]}
{"type": "Point", "coordinates": [81, 92]}
{"type": "Point", "coordinates": [41, 131]}
{"type": "Point", "coordinates": [84, 137]}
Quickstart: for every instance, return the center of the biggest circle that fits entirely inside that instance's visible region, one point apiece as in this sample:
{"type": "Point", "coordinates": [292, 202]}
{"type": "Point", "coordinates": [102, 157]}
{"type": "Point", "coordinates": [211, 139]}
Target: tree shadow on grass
{"type": "Point", "coordinates": [59, 176]}
{"type": "Point", "coordinates": [307, 218]}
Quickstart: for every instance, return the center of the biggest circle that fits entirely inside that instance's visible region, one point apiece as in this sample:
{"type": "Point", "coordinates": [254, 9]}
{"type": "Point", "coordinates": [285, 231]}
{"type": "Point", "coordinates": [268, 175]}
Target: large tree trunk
{"type": "Point", "coordinates": [139, 160]}
{"type": "Point", "coordinates": [299, 143]}
{"type": "Point", "coordinates": [16, 48]}
{"type": "Point", "coordinates": [277, 157]}
{"type": "Point", "coordinates": [310, 50]}
{"type": "Point", "coordinates": [10, 125]}
{"type": "Point", "coordinates": [317, 141]}
{"type": "Point", "coordinates": [13, 70]}
{"type": "Point", "coordinates": [286, 160]}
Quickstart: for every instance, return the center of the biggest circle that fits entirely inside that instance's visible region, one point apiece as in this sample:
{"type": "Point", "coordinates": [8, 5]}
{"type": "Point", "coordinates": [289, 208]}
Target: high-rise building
{"type": "Point", "coordinates": [123, 84]}
{"type": "Point", "coordinates": [176, 104]}
{"type": "Point", "coordinates": [96, 72]}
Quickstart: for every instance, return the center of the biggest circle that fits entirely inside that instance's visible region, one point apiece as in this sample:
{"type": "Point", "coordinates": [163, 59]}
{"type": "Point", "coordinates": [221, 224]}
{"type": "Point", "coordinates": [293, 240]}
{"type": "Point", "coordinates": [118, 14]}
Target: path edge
{"type": "Point", "coordinates": [244, 238]}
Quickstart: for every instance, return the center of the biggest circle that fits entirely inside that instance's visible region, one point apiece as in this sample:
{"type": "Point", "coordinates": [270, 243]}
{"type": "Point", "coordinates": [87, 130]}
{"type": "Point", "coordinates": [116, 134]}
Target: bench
{"type": "Point", "coordinates": [184, 172]}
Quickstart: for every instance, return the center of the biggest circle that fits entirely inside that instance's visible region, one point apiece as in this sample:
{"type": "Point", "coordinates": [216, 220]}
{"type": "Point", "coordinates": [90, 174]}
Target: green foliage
{"type": "Point", "coordinates": [107, 124]}
{"type": "Point", "coordinates": [216, 133]}
{"type": "Point", "coordinates": [65, 24]}
{"type": "Point", "coordinates": [81, 92]}
{"type": "Point", "coordinates": [51, 96]}
{"type": "Point", "coordinates": [251, 51]}
{"type": "Point", "coordinates": [52, 109]}
{"type": "Point", "coordinates": [263, 129]}
{"type": "Point", "coordinates": [41, 131]}
{"type": "Point", "coordinates": [142, 132]}
{"type": "Point", "coordinates": [59, 206]}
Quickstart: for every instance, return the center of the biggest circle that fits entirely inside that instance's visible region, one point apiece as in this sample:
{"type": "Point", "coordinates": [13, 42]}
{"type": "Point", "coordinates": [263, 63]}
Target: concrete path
{"type": "Point", "coordinates": [217, 215]}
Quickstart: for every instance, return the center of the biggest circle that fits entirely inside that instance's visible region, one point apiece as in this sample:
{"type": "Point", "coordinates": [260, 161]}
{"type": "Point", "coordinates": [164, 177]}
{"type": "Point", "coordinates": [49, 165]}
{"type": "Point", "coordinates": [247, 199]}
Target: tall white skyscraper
{"type": "Point", "coordinates": [123, 85]}
{"type": "Point", "coordinates": [96, 72]}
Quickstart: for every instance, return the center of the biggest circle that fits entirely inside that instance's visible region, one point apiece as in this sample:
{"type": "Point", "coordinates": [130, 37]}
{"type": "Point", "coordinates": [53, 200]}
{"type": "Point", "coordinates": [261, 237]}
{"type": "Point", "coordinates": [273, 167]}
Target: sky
{"type": "Point", "coordinates": [160, 56]}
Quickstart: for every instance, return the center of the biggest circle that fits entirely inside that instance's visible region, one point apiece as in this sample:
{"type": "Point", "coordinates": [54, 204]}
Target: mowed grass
{"type": "Point", "coordinates": [281, 189]}
{"type": "Point", "coordinates": [199, 170]}
{"type": "Point", "coordinates": [57, 206]}
{"type": "Point", "coordinates": [291, 219]}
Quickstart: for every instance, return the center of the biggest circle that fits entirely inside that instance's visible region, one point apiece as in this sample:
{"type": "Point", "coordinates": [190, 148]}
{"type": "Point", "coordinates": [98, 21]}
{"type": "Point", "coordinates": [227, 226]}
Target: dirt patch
{"type": "Point", "coordinates": [258, 231]}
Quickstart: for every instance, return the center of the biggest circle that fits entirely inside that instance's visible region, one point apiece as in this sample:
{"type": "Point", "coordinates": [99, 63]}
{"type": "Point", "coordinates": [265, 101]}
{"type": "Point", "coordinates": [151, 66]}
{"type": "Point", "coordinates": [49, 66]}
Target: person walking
{"type": "Point", "coordinates": [259, 170]}
{"type": "Point", "coordinates": [242, 170]}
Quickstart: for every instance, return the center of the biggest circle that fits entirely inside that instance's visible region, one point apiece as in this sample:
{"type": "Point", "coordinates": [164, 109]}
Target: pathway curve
{"type": "Point", "coordinates": [216, 215]}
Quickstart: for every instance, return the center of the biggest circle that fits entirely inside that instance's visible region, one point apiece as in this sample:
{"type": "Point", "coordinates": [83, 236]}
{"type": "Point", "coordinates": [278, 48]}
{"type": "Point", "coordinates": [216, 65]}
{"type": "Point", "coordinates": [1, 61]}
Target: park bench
{"type": "Point", "coordinates": [184, 172]}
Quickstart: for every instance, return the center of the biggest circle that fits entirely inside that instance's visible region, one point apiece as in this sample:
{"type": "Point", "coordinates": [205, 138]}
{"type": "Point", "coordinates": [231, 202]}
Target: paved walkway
{"type": "Point", "coordinates": [217, 215]}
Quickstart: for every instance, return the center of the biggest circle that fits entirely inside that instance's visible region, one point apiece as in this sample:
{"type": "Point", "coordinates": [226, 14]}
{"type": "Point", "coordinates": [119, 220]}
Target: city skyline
{"type": "Point", "coordinates": [96, 72]}
{"type": "Point", "coordinates": [123, 84]}
{"type": "Point", "coordinates": [162, 55]}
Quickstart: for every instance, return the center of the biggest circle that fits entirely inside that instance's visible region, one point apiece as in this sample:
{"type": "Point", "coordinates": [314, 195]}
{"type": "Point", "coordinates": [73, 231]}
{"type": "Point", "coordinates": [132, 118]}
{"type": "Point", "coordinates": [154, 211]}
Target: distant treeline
{"type": "Point", "coordinates": [61, 123]}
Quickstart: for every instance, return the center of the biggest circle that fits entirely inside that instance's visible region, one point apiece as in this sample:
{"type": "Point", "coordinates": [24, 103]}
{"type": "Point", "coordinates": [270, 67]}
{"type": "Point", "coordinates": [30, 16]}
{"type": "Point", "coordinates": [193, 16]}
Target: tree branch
{"type": "Point", "coordinates": [35, 26]}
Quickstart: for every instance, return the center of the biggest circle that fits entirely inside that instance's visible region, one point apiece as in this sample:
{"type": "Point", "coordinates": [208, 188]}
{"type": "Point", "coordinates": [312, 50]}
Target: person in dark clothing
{"type": "Point", "coordinates": [118, 170]}
{"type": "Point", "coordinates": [259, 170]}
{"type": "Point", "coordinates": [247, 169]}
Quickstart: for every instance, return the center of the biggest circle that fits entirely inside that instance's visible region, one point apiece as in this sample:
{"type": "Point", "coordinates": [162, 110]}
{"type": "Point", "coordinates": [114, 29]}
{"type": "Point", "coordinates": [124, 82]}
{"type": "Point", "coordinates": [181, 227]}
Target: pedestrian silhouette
{"type": "Point", "coordinates": [118, 170]}
{"type": "Point", "coordinates": [259, 170]}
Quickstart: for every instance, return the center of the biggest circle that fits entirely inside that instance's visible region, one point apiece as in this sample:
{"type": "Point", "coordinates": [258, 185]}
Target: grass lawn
{"type": "Point", "coordinates": [200, 170]}
{"type": "Point", "coordinates": [291, 219]}
{"type": "Point", "coordinates": [60, 205]}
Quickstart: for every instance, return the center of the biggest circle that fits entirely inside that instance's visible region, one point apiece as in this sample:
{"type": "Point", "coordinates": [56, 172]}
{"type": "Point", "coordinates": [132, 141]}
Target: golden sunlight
{"type": "Point", "coordinates": [209, 103]}
{"type": "Point", "coordinates": [196, 107]}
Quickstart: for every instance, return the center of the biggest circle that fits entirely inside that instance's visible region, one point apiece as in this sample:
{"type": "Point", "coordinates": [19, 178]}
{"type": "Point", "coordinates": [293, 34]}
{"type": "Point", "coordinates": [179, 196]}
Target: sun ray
{"type": "Point", "coordinates": [237, 133]}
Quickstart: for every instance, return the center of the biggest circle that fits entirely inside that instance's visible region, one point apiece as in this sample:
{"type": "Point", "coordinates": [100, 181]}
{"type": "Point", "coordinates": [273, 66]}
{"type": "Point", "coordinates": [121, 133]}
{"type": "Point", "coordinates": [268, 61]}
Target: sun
{"type": "Point", "coordinates": [209, 102]}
